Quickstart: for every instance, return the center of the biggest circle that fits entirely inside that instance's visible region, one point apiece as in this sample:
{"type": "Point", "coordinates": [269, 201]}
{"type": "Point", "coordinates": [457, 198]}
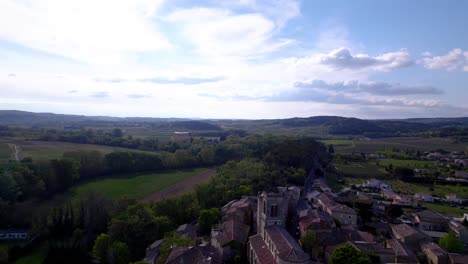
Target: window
{"type": "Point", "coordinates": [274, 211]}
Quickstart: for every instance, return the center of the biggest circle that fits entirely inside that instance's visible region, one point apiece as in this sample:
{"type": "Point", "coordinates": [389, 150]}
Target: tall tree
{"type": "Point", "coordinates": [348, 254]}
{"type": "Point", "coordinates": [451, 243]}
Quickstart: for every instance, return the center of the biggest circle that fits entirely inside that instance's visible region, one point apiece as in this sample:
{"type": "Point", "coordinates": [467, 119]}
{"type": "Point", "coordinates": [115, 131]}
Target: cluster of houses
{"type": "Point", "coordinates": [267, 229]}
{"type": "Point", "coordinates": [415, 200]}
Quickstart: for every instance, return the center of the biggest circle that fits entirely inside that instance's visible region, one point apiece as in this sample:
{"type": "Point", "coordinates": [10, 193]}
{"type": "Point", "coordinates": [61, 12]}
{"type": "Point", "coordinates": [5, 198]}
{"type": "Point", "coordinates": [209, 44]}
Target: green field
{"type": "Point", "coordinates": [36, 257]}
{"type": "Point", "coordinates": [420, 164]}
{"type": "Point", "coordinates": [361, 170]}
{"type": "Point", "coordinates": [42, 150]}
{"type": "Point", "coordinates": [5, 151]}
{"type": "Point", "coordinates": [137, 187]}
{"type": "Point", "coordinates": [445, 209]}
{"type": "Point", "coordinates": [369, 145]}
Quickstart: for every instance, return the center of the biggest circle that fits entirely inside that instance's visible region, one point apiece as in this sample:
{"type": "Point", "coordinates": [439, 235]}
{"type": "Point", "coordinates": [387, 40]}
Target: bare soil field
{"type": "Point", "coordinates": [181, 187]}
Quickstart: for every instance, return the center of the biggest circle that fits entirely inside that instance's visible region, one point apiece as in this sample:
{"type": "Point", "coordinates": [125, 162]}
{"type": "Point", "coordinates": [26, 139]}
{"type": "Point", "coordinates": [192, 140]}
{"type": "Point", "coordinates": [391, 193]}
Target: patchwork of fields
{"type": "Point", "coordinates": [136, 186]}
{"type": "Point", "coordinates": [43, 150]}
{"type": "Point", "coordinates": [369, 145]}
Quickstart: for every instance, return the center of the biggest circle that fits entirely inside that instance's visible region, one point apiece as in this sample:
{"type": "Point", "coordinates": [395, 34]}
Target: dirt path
{"type": "Point", "coordinates": [181, 187]}
{"type": "Point", "coordinates": [16, 149]}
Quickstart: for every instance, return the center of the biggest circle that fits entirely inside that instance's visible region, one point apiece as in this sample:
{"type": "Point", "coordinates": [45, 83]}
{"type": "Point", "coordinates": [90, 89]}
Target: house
{"type": "Point", "coordinates": [404, 200]}
{"type": "Point", "coordinates": [181, 136]}
{"type": "Point", "coordinates": [342, 213]}
{"type": "Point", "coordinates": [243, 210]}
{"type": "Point", "coordinates": [376, 184]}
{"type": "Point", "coordinates": [407, 235]}
{"type": "Point", "coordinates": [194, 255]}
{"type": "Point", "coordinates": [452, 198]}
{"type": "Point", "coordinates": [435, 254]}
{"type": "Point", "coordinates": [272, 243]}
{"type": "Point", "coordinates": [402, 253]}
{"type": "Point", "coordinates": [152, 252]}
{"type": "Point", "coordinates": [422, 197]}
{"type": "Point", "coordinates": [458, 258]}
{"type": "Point", "coordinates": [388, 194]}
{"type": "Point", "coordinates": [13, 234]}
{"type": "Point", "coordinates": [315, 220]}
{"type": "Point", "coordinates": [459, 230]}
{"type": "Point", "coordinates": [187, 230]}
{"type": "Point", "coordinates": [461, 174]}
{"type": "Point", "coordinates": [430, 221]}
{"type": "Point", "coordinates": [230, 240]}
{"type": "Point", "coordinates": [312, 195]}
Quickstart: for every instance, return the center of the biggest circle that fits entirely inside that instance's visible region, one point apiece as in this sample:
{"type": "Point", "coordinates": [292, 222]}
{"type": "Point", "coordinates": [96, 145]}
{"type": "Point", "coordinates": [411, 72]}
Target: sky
{"type": "Point", "coordinates": [245, 59]}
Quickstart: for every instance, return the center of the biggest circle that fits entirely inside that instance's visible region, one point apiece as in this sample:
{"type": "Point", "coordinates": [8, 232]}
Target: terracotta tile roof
{"type": "Point", "coordinates": [261, 250]}
{"type": "Point", "coordinates": [194, 255]}
{"type": "Point", "coordinates": [400, 249]}
{"type": "Point", "coordinates": [458, 258]}
{"type": "Point", "coordinates": [234, 231]}
{"type": "Point", "coordinates": [287, 246]}
{"type": "Point", "coordinates": [404, 230]}
{"type": "Point", "coordinates": [434, 248]}
{"type": "Point", "coordinates": [429, 216]}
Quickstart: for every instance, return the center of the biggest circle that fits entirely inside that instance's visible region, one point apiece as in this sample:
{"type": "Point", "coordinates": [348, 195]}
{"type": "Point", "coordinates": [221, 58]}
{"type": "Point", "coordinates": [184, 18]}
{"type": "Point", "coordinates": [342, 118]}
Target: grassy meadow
{"type": "Point", "coordinates": [133, 186]}
{"type": "Point", "coordinates": [402, 143]}
{"type": "Point", "coordinates": [44, 150]}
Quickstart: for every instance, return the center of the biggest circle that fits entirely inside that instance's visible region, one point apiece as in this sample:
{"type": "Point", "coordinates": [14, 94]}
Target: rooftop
{"type": "Point", "coordinates": [260, 248]}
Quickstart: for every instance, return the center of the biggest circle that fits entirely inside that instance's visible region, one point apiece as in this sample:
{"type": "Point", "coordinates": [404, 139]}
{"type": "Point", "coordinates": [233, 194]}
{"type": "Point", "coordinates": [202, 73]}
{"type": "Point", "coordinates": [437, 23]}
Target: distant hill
{"type": "Point", "coordinates": [334, 125]}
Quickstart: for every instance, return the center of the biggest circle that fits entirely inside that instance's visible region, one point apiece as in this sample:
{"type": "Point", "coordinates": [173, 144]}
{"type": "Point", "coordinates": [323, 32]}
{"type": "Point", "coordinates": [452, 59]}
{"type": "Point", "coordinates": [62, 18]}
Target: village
{"type": "Point", "coordinates": [307, 225]}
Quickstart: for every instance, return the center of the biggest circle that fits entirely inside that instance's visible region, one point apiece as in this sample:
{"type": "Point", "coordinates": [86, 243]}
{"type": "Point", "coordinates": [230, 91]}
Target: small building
{"type": "Point", "coordinates": [423, 197]}
{"type": "Point", "coordinates": [194, 255]}
{"type": "Point", "coordinates": [459, 230]}
{"type": "Point", "coordinates": [180, 136]}
{"type": "Point", "coordinates": [187, 230]}
{"type": "Point", "coordinates": [231, 239]}
{"type": "Point", "coordinates": [152, 252]}
{"type": "Point", "coordinates": [407, 235]}
{"type": "Point", "coordinates": [404, 200]}
{"type": "Point", "coordinates": [453, 198]}
{"type": "Point", "coordinates": [435, 254]}
{"type": "Point", "coordinates": [430, 221]}
{"type": "Point", "coordinates": [342, 213]}
{"type": "Point", "coordinates": [317, 221]}
{"type": "Point", "coordinates": [402, 253]}
{"type": "Point", "coordinates": [458, 258]}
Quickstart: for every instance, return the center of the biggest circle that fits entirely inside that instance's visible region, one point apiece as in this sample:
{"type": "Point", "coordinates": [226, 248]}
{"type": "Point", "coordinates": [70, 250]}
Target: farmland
{"type": "Point", "coordinates": [134, 186]}
{"type": "Point", "coordinates": [367, 145]}
{"type": "Point", "coordinates": [44, 150]}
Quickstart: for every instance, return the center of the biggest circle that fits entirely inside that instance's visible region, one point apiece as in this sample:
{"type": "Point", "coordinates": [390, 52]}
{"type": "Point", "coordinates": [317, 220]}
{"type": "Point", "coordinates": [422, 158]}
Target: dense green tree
{"type": "Point", "coordinates": [348, 254]}
{"type": "Point", "coordinates": [118, 253]}
{"type": "Point", "coordinates": [101, 247]}
{"type": "Point", "coordinates": [91, 162]}
{"type": "Point", "coordinates": [451, 243]}
{"type": "Point", "coordinates": [207, 218]}
{"type": "Point", "coordinates": [9, 189]}
{"type": "Point", "coordinates": [3, 255]}
{"type": "Point", "coordinates": [310, 243]}
{"type": "Point", "coordinates": [66, 171]}
{"type": "Point", "coordinates": [137, 226]}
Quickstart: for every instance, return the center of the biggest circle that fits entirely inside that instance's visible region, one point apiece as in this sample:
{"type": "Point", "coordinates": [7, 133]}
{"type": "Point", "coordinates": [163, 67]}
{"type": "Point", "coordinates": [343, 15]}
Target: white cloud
{"type": "Point", "coordinates": [220, 32]}
{"type": "Point", "coordinates": [343, 59]}
{"type": "Point", "coordinates": [456, 59]}
{"type": "Point", "coordinates": [101, 32]}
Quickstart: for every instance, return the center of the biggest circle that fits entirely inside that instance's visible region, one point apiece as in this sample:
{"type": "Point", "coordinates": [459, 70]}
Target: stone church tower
{"type": "Point", "coordinates": [272, 209]}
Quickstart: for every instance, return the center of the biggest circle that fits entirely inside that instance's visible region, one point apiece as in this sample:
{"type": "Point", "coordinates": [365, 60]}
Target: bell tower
{"type": "Point", "coordinates": [272, 209]}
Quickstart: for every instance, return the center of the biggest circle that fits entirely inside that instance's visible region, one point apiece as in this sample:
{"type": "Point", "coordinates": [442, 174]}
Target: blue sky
{"type": "Point", "coordinates": [235, 59]}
